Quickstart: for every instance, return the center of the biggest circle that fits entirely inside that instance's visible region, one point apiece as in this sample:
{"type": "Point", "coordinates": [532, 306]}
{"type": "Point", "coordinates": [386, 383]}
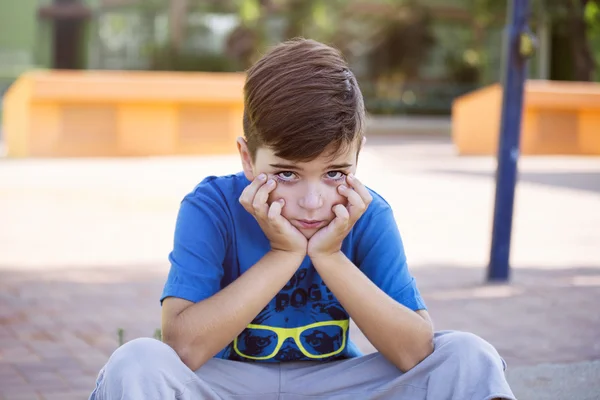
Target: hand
{"type": "Point", "coordinates": [281, 234]}
{"type": "Point", "coordinates": [328, 240]}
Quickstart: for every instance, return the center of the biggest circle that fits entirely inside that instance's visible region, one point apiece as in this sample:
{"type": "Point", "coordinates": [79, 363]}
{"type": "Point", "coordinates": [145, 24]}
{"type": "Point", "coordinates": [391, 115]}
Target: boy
{"type": "Point", "coordinates": [269, 265]}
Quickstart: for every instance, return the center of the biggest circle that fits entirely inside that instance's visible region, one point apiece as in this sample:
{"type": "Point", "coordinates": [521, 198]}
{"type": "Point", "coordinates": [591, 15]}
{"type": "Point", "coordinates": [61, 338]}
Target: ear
{"type": "Point", "coordinates": [364, 141]}
{"type": "Point", "coordinates": [246, 158]}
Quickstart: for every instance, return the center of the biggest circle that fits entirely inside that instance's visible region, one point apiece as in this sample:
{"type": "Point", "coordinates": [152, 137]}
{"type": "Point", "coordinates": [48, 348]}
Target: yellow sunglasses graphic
{"type": "Point", "coordinates": [318, 340]}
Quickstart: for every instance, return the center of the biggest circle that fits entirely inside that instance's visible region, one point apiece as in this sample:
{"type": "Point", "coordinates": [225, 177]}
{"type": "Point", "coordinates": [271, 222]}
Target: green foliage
{"type": "Point", "coordinates": [316, 19]}
{"type": "Point", "coordinates": [575, 26]}
{"type": "Point", "coordinates": [121, 335]}
{"type": "Point", "coordinates": [464, 68]}
{"type": "Point", "coordinates": [249, 11]}
{"type": "Point", "coordinates": [488, 12]}
{"type": "Point", "coordinates": [401, 40]}
{"type": "Point", "coordinates": [170, 59]}
{"type": "Point", "coordinates": [592, 18]}
{"type": "Point", "coordinates": [592, 15]}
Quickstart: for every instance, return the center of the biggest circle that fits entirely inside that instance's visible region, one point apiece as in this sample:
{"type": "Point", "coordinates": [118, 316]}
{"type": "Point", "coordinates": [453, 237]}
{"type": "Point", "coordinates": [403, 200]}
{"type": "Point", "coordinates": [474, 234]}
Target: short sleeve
{"type": "Point", "coordinates": [199, 247]}
{"type": "Point", "coordinates": [380, 256]}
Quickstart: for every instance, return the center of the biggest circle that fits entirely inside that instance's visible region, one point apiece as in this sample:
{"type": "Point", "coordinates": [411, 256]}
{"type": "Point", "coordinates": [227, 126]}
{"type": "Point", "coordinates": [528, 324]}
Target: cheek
{"type": "Point", "coordinates": [333, 197]}
{"type": "Point", "coordinates": [288, 195]}
{"type": "Point", "coordinates": [281, 192]}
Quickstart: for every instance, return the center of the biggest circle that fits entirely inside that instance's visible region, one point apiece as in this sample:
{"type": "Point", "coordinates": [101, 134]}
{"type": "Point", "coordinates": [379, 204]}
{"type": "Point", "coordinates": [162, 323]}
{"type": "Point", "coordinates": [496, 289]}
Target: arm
{"type": "Point", "coordinates": [199, 317]}
{"type": "Point", "coordinates": [400, 334]}
{"type": "Point", "coordinates": [378, 292]}
{"type": "Point", "coordinates": [198, 331]}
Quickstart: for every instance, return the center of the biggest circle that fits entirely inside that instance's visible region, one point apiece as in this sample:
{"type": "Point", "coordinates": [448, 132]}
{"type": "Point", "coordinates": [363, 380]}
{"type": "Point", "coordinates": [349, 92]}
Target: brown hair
{"type": "Point", "coordinates": [300, 98]}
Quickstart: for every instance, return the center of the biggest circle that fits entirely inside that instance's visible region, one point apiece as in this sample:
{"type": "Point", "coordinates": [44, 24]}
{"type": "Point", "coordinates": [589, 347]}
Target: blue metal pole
{"type": "Point", "coordinates": [516, 52]}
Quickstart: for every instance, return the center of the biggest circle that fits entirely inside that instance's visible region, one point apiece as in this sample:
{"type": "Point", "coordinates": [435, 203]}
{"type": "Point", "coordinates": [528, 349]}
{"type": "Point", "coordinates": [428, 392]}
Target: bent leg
{"type": "Point", "coordinates": [147, 369]}
{"type": "Point", "coordinates": [150, 369]}
{"type": "Point", "coordinates": [465, 366]}
{"type": "Point", "coordinates": [462, 367]}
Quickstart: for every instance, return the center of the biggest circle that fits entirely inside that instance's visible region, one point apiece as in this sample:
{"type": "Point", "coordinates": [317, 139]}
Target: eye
{"type": "Point", "coordinates": [336, 175]}
{"type": "Point", "coordinates": [285, 176]}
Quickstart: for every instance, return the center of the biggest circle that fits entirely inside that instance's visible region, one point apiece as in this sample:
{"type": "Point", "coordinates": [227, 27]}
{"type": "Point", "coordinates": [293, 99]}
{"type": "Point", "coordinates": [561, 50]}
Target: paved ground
{"type": "Point", "coordinates": [83, 246]}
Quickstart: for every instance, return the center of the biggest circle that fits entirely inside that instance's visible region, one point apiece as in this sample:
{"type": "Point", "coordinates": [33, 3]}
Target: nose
{"type": "Point", "coordinates": [311, 200]}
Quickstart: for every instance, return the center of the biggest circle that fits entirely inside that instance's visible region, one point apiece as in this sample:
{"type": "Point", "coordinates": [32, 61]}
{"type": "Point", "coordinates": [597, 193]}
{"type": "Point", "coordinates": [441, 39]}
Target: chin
{"type": "Point", "coordinates": [308, 233]}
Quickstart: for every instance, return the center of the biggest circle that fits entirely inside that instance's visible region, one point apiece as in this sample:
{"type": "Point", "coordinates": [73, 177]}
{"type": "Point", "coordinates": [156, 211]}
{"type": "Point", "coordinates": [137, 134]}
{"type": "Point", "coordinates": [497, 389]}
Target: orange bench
{"type": "Point", "coordinates": [558, 118]}
{"type": "Point", "coordinates": [119, 113]}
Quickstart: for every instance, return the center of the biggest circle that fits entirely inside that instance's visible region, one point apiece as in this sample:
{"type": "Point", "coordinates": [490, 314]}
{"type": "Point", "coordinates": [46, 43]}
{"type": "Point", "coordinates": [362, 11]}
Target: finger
{"type": "Point", "coordinates": [259, 204]}
{"type": "Point", "coordinates": [359, 188]}
{"type": "Point", "coordinates": [356, 204]}
{"type": "Point", "coordinates": [342, 217]}
{"type": "Point", "coordinates": [248, 194]}
{"type": "Point", "coordinates": [275, 210]}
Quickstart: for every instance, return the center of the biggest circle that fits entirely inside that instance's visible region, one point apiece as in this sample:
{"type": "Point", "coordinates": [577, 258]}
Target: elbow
{"type": "Point", "coordinates": [189, 354]}
{"type": "Point", "coordinates": [423, 348]}
{"type": "Point", "coordinates": [191, 358]}
{"type": "Point", "coordinates": [426, 348]}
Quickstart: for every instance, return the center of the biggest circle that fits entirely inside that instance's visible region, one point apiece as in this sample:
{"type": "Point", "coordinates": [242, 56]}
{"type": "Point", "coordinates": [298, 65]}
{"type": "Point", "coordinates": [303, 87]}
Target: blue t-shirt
{"type": "Point", "coordinates": [217, 240]}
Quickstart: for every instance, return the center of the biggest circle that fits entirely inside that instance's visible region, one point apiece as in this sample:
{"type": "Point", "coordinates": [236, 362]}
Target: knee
{"type": "Point", "coordinates": [468, 350]}
{"type": "Point", "coordinates": [139, 356]}
{"type": "Point", "coordinates": [133, 366]}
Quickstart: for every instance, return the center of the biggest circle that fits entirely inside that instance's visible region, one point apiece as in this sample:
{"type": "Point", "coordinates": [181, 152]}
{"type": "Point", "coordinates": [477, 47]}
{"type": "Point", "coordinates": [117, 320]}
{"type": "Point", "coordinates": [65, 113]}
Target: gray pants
{"type": "Point", "coordinates": [462, 367]}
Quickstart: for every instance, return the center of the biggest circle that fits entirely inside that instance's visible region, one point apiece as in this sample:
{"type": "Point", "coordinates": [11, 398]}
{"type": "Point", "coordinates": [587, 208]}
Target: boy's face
{"type": "Point", "coordinates": [308, 188]}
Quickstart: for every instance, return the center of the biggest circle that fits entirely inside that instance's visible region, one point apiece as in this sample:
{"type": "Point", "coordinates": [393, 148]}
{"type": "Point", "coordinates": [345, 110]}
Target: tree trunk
{"type": "Point", "coordinates": [177, 12]}
{"type": "Point", "coordinates": [298, 14]}
{"type": "Point", "coordinates": [583, 62]}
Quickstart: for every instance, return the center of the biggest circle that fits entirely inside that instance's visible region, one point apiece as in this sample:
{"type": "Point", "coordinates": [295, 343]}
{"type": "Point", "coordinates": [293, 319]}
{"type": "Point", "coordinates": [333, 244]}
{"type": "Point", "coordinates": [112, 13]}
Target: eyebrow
{"type": "Point", "coordinates": [285, 166]}
{"type": "Point", "coordinates": [339, 166]}
{"type": "Point", "coordinates": [296, 168]}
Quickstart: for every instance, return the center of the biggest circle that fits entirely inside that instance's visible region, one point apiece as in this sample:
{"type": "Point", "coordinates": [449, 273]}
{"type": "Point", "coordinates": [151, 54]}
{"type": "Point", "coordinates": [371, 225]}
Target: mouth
{"type": "Point", "coordinates": [309, 224]}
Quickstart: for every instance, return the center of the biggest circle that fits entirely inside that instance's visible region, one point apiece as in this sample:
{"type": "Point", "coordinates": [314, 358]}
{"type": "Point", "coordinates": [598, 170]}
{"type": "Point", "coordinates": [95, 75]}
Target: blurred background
{"type": "Point", "coordinates": [411, 57]}
{"type": "Point", "coordinates": [113, 110]}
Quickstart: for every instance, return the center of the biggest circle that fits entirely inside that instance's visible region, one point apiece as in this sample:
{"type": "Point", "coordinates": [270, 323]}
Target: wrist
{"type": "Point", "coordinates": [288, 257]}
{"type": "Point", "coordinates": [322, 260]}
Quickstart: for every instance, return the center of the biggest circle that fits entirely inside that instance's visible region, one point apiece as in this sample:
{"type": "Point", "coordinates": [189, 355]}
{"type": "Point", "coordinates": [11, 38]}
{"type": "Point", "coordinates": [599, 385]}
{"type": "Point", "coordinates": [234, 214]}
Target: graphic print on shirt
{"type": "Point", "coordinates": [303, 322]}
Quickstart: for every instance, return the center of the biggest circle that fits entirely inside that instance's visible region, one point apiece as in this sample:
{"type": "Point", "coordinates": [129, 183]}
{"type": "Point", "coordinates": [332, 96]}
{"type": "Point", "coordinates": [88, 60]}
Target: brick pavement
{"type": "Point", "coordinates": [82, 248]}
